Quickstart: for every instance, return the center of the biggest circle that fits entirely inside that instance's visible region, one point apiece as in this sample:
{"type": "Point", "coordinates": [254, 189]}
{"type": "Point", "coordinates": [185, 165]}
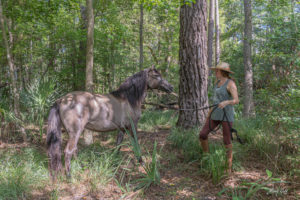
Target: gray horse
{"type": "Point", "coordinates": [102, 113]}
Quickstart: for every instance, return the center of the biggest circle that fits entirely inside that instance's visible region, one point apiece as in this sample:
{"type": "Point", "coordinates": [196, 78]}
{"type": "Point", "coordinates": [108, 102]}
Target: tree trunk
{"type": "Point", "coordinates": [141, 36]}
{"type": "Point", "coordinates": [12, 72]}
{"type": "Point", "coordinates": [89, 47]}
{"type": "Point", "coordinates": [193, 64]}
{"type": "Point", "coordinates": [248, 90]}
{"type": "Point", "coordinates": [217, 48]}
{"type": "Point", "coordinates": [210, 40]}
{"type": "Point", "coordinates": [88, 135]}
{"type": "Point", "coordinates": [81, 59]}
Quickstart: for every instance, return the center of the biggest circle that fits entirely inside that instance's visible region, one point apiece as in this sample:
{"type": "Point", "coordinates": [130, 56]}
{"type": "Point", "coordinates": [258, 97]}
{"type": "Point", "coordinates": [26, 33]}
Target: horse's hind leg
{"type": "Point", "coordinates": [74, 130]}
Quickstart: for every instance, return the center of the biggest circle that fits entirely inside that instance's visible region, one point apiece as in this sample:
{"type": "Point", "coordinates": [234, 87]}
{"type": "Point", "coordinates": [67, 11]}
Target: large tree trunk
{"type": "Point", "coordinates": [141, 36]}
{"type": "Point", "coordinates": [193, 61]}
{"type": "Point", "coordinates": [88, 135]}
{"type": "Point", "coordinates": [12, 72]}
{"type": "Point", "coordinates": [210, 40]}
{"type": "Point", "coordinates": [217, 48]}
{"type": "Point", "coordinates": [248, 90]}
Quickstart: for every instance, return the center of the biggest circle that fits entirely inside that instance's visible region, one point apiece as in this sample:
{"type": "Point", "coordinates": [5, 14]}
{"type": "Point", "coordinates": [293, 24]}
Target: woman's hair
{"type": "Point", "coordinates": [227, 75]}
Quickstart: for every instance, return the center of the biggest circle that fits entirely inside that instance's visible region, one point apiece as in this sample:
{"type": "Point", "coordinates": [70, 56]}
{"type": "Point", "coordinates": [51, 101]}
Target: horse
{"type": "Point", "coordinates": [98, 112]}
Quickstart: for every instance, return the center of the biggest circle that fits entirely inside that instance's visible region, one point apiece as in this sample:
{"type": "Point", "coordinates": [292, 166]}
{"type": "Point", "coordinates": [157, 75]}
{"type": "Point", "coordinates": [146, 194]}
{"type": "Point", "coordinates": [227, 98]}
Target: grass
{"type": "Point", "coordinates": [249, 190]}
{"type": "Point", "coordinates": [21, 172]}
{"type": "Point", "coordinates": [26, 170]}
{"type": "Point", "coordinates": [152, 175]}
{"type": "Point", "coordinates": [150, 120]}
{"type": "Point", "coordinates": [95, 165]}
{"type": "Point", "coordinates": [187, 141]}
{"type": "Point", "coordinates": [214, 163]}
{"type": "Point", "coordinates": [279, 146]}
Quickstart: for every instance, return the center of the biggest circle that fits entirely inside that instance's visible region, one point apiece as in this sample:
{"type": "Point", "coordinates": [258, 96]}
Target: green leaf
{"type": "Point", "coordinates": [269, 173]}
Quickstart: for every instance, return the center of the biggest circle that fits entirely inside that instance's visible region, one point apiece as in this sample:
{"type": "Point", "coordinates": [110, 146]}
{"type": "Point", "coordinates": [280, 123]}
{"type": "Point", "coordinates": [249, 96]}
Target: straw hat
{"type": "Point", "coordinates": [223, 66]}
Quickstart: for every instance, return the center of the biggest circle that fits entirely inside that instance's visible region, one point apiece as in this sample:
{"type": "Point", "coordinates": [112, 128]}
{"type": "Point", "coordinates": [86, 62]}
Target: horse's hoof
{"type": "Point", "coordinates": [141, 161]}
{"type": "Point", "coordinates": [68, 175]}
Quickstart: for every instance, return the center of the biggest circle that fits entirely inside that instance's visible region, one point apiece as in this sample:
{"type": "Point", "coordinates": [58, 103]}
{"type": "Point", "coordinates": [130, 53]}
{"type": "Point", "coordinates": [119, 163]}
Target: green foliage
{"type": "Point", "coordinates": [134, 143]}
{"type": "Point", "coordinates": [21, 172]}
{"type": "Point", "coordinates": [279, 147]}
{"type": "Point", "coordinates": [95, 165]}
{"type": "Point", "coordinates": [213, 164]}
{"type": "Point", "coordinates": [187, 141]}
{"type": "Point", "coordinates": [152, 175]}
{"type": "Point", "coordinates": [152, 119]}
{"type": "Point", "coordinates": [38, 98]}
{"type": "Point", "coordinates": [249, 190]}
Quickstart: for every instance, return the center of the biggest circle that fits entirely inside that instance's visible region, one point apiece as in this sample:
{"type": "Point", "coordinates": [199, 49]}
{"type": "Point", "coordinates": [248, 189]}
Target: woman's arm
{"type": "Point", "coordinates": [231, 87]}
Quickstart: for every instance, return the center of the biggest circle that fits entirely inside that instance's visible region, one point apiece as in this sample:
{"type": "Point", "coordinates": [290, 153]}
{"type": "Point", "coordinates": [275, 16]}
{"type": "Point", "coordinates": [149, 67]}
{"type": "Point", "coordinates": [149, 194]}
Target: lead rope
{"type": "Point", "coordinates": [232, 130]}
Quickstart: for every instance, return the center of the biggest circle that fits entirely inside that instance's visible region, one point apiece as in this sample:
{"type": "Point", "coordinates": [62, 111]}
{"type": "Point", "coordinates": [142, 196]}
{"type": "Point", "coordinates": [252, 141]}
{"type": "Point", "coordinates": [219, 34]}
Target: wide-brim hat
{"type": "Point", "coordinates": [224, 67]}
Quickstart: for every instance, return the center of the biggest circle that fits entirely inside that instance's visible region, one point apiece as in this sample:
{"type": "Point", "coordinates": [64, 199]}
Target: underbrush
{"type": "Point", "coordinates": [151, 119]}
{"type": "Point", "coordinates": [95, 165]}
{"type": "Point", "coordinates": [22, 171]}
{"type": "Point", "coordinates": [278, 145]}
{"type": "Point", "coordinates": [211, 165]}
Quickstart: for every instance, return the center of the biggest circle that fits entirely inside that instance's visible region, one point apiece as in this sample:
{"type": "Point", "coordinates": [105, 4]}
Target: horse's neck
{"type": "Point", "coordinates": [142, 99]}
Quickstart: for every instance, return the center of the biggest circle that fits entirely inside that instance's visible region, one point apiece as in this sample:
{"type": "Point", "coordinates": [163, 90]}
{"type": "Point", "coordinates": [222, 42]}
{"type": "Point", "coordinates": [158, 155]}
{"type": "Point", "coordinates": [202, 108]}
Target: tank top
{"type": "Point", "coordinates": [221, 94]}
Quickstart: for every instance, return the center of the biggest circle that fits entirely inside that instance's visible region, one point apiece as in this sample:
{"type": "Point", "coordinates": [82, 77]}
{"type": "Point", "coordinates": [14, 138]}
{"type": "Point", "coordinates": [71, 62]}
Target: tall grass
{"type": "Point", "coordinates": [187, 141]}
{"type": "Point", "coordinates": [214, 163]}
{"type": "Point", "coordinates": [95, 165]}
{"type": "Point", "coordinates": [277, 145]}
{"type": "Point", "coordinates": [21, 172]}
{"type": "Point", "coordinates": [150, 120]}
{"type": "Point", "coordinates": [152, 175]}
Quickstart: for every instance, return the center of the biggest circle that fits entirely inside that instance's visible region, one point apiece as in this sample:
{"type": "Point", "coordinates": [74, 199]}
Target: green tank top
{"type": "Point", "coordinates": [221, 94]}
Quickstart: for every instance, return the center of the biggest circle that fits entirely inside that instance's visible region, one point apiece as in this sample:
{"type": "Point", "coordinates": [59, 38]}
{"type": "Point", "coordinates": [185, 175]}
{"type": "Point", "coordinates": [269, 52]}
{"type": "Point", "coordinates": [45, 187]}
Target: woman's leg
{"type": "Point", "coordinates": [228, 144]}
{"type": "Point", "coordinates": [203, 136]}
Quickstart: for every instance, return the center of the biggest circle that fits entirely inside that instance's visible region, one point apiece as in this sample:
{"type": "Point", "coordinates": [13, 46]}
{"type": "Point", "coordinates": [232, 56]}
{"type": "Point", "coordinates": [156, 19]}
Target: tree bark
{"type": "Point", "coordinates": [217, 48]}
{"type": "Point", "coordinates": [88, 135]}
{"type": "Point", "coordinates": [193, 64]}
{"type": "Point", "coordinates": [89, 47]}
{"type": "Point", "coordinates": [141, 36]}
{"type": "Point", "coordinates": [81, 59]}
{"type": "Point", "coordinates": [210, 40]}
{"type": "Point", "coordinates": [12, 72]}
{"type": "Point", "coordinates": [248, 84]}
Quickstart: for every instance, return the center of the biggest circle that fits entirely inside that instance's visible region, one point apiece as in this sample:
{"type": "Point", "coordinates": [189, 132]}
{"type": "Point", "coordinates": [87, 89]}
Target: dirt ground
{"type": "Point", "coordinates": [179, 180]}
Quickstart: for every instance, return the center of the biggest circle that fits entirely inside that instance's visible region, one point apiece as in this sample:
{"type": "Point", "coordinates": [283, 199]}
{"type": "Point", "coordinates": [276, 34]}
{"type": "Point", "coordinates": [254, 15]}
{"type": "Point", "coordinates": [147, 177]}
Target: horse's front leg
{"type": "Point", "coordinates": [133, 131]}
{"type": "Point", "coordinates": [120, 139]}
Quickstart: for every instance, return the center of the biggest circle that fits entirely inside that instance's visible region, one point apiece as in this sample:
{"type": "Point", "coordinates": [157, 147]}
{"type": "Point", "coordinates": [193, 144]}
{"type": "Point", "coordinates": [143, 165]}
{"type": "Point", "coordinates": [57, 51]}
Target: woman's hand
{"type": "Point", "coordinates": [223, 104]}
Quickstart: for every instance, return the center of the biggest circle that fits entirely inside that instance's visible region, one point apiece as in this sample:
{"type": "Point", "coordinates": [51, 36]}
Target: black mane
{"type": "Point", "coordinates": [133, 88]}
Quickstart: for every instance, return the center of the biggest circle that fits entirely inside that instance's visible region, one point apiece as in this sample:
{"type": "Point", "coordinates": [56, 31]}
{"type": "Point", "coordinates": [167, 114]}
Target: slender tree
{"type": "Point", "coordinates": [81, 57]}
{"type": "Point", "coordinates": [193, 64]}
{"type": "Point", "coordinates": [217, 48]}
{"type": "Point", "coordinates": [12, 70]}
{"type": "Point", "coordinates": [88, 135]}
{"type": "Point", "coordinates": [248, 84]}
{"type": "Point", "coordinates": [141, 35]}
{"type": "Point", "coordinates": [210, 40]}
{"type": "Point", "coordinates": [89, 46]}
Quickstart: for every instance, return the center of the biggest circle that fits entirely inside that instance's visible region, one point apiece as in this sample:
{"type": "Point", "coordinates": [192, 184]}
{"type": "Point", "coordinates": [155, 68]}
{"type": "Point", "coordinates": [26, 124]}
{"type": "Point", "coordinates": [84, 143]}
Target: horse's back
{"type": "Point", "coordinates": [101, 112]}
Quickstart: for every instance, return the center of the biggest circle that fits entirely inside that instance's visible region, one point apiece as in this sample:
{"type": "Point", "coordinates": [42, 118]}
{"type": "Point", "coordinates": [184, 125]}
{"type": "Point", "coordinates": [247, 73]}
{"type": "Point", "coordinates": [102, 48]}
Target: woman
{"type": "Point", "coordinates": [225, 95]}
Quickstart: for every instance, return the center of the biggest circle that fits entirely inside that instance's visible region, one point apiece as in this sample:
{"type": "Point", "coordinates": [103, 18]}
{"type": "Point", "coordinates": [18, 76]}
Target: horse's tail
{"type": "Point", "coordinates": [54, 139]}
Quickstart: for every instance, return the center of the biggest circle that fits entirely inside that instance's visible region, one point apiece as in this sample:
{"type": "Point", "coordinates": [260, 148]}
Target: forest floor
{"type": "Point", "coordinates": [179, 179]}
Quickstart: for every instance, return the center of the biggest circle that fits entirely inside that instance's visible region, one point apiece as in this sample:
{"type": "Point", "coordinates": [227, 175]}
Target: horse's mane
{"type": "Point", "coordinates": [133, 88]}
